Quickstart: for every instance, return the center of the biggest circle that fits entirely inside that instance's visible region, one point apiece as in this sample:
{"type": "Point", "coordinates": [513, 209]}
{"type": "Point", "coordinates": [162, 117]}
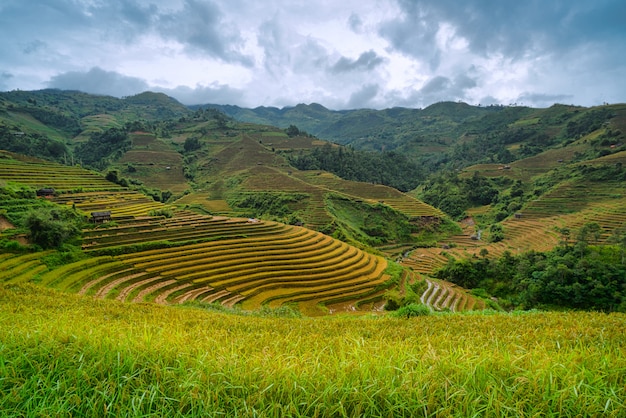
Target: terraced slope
{"type": "Point", "coordinates": [250, 263]}
{"type": "Point", "coordinates": [17, 268]}
{"type": "Point", "coordinates": [570, 205]}
{"type": "Point", "coordinates": [155, 163]}
{"type": "Point", "coordinates": [121, 203]}
{"type": "Point", "coordinates": [370, 192]}
{"type": "Point", "coordinates": [38, 173]}
{"type": "Point", "coordinates": [205, 258]}
{"type": "Point", "coordinates": [441, 295]}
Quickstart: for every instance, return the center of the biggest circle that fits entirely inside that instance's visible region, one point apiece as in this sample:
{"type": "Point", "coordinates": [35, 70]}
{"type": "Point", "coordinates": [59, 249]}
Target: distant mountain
{"type": "Point", "coordinates": [446, 133]}
{"type": "Point", "coordinates": [48, 104]}
{"type": "Point", "coordinates": [491, 164]}
{"type": "Point", "coordinates": [360, 127]}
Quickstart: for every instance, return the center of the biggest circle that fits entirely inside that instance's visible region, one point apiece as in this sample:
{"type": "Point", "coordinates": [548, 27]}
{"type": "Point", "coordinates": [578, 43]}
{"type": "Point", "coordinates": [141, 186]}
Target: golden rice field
{"type": "Point", "coordinates": [66, 355]}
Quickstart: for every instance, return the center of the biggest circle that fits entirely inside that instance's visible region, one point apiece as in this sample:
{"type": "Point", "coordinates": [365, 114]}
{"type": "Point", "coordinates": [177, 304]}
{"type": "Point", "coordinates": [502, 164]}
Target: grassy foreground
{"type": "Point", "coordinates": [66, 355]}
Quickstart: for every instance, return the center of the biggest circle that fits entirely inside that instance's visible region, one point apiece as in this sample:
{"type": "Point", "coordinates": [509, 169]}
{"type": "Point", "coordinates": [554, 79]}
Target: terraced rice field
{"type": "Point", "coordinates": [237, 156]}
{"type": "Point", "coordinates": [37, 174]}
{"type": "Point", "coordinates": [207, 258]}
{"type": "Point", "coordinates": [317, 184]}
{"type": "Point", "coordinates": [121, 203]}
{"type": "Point", "coordinates": [250, 263]}
{"type": "Point", "coordinates": [441, 295]}
{"type": "Point", "coordinates": [269, 179]}
{"type": "Point", "coordinates": [199, 199]}
{"type": "Point", "coordinates": [19, 268]}
{"type": "Point", "coordinates": [570, 205]}
{"type": "Point", "coordinates": [155, 163]}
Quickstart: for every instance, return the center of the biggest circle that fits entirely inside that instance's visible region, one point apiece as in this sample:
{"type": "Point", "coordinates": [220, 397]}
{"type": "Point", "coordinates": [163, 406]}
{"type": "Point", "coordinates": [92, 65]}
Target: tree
{"type": "Point", "coordinates": [592, 229]}
{"type": "Point", "coordinates": [589, 229]}
{"type": "Point", "coordinates": [619, 237]}
{"type": "Point", "coordinates": [52, 227]}
{"type": "Point", "coordinates": [292, 131]}
{"type": "Point", "coordinates": [192, 144]}
{"type": "Point", "coordinates": [565, 234]}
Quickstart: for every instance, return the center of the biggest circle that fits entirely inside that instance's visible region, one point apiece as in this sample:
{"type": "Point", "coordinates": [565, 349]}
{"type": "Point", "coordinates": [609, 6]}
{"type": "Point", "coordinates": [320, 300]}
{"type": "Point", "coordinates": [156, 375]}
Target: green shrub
{"type": "Point", "coordinates": [54, 226]}
{"type": "Point", "coordinates": [66, 255]}
{"type": "Point", "coordinates": [496, 233]}
{"type": "Point", "coordinates": [413, 309]}
{"type": "Point", "coordinates": [168, 213]}
{"type": "Point", "coordinates": [12, 245]}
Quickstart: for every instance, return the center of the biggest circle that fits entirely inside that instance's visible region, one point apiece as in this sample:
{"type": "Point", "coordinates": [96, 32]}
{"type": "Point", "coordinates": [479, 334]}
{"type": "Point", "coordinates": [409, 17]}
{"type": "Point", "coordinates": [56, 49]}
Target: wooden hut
{"type": "Point", "coordinates": [100, 217]}
{"type": "Point", "coordinates": [45, 192]}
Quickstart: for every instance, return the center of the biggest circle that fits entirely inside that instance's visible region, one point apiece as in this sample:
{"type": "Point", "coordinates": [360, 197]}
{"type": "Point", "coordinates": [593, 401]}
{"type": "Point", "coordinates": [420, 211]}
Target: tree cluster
{"type": "Point", "coordinates": [574, 275]}
{"type": "Point", "coordinates": [33, 144]}
{"type": "Point", "coordinates": [104, 147]}
{"type": "Point", "coordinates": [453, 194]}
{"type": "Point", "coordinates": [389, 168]}
{"type": "Point", "coordinates": [51, 227]}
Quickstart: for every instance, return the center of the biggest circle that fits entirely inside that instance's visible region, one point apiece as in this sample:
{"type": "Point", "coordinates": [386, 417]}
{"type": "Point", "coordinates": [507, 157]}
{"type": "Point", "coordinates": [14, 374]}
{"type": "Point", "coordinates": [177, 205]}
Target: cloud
{"type": "Point", "coordinates": [362, 98]}
{"type": "Point", "coordinates": [355, 23]}
{"type": "Point", "coordinates": [201, 26]}
{"type": "Point", "coordinates": [214, 94]}
{"type": "Point", "coordinates": [515, 29]}
{"type": "Point", "coordinates": [543, 100]}
{"type": "Point", "coordinates": [4, 78]}
{"type": "Point", "coordinates": [436, 89]}
{"type": "Point", "coordinates": [367, 61]}
{"type": "Point", "coordinates": [197, 25]}
{"type": "Point", "coordinates": [99, 81]}
{"type": "Point", "coordinates": [413, 34]}
{"type": "Point", "coordinates": [34, 46]}
{"type": "Point", "coordinates": [278, 52]}
{"type": "Point", "coordinates": [273, 40]}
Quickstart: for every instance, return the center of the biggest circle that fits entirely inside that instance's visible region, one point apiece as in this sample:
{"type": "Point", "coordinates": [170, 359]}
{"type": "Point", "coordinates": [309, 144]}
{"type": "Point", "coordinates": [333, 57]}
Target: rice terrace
{"type": "Point", "coordinates": [164, 260]}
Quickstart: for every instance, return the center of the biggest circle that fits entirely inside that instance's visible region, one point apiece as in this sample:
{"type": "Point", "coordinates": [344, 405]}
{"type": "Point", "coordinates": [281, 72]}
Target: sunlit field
{"type": "Point", "coordinates": [67, 355]}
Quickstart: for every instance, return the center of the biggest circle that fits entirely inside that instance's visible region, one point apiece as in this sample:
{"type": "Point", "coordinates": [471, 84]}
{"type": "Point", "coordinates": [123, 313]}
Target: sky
{"type": "Point", "coordinates": [342, 54]}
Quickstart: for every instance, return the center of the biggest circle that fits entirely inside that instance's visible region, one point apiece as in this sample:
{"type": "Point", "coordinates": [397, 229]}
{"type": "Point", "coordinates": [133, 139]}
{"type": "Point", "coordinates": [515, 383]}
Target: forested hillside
{"type": "Point", "coordinates": [452, 190]}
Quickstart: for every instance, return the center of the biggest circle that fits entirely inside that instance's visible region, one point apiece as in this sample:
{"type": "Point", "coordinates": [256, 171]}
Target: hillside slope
{"type": "Point", "coordinates": [142, 255]}
{"type": "Point", "coordinates": [515, 179]}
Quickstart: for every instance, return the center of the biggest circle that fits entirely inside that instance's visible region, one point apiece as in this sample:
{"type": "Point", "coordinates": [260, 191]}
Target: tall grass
{"type": "Point", "coordinates": [64, 355]}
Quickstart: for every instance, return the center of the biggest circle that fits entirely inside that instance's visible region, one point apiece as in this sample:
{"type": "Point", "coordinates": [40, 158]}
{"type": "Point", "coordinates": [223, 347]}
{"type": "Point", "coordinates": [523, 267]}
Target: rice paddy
{"type": "Point", "coordinates": [66, 355]}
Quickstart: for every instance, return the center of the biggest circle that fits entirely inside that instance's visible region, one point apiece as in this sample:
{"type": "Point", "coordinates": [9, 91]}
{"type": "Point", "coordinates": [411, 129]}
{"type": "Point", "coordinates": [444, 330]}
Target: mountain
{"type": "Point", "coordinates": [360, 126]}
{"type": "Point", "coordinates": [65, 115]}
{"type": "Point", "coordinates": [447, 134]}
{"type": "Point", "coordinates": [469, 183]}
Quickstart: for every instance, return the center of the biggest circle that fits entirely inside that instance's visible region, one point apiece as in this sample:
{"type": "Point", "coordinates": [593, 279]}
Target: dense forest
{"type": "Point", "coordinates": [389, 168]}
{"type": "Point", "coordinates": [12, 138]}
{"type": "Point", "coordinates": [578, 274]}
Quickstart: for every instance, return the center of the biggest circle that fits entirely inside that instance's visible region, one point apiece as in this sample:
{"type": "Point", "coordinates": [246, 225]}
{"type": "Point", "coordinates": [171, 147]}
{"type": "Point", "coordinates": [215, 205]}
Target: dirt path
{"type": "Point", "coordinates": [141, 295]}
{"type": "Point", "coordinates": [162, 297]}
{"type": "Point", "coordinates": [4, 224]}
{"type": "Point", "coordinates": [104, 290]}
{"type": "Point", "coordinates": [94, 282]}
{"type": "Point", "coordinates": [128, 289]}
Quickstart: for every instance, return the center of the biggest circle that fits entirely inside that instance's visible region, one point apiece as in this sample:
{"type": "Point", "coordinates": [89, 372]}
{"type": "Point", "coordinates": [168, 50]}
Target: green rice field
{"type": "Point", "coordinates": [66, 355]}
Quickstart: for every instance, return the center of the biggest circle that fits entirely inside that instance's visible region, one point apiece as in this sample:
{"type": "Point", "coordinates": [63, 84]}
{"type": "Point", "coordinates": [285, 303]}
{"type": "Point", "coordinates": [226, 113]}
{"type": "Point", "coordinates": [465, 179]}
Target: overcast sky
{"type": "Point", "coordinates": [341, 54]}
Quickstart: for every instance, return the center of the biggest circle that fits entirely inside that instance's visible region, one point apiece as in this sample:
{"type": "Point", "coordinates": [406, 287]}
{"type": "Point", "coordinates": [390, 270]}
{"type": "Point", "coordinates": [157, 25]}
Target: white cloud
{"type": "Point", "coordinates": [380, 53]}
{"type": "Point", "coordinates": [99, 81]}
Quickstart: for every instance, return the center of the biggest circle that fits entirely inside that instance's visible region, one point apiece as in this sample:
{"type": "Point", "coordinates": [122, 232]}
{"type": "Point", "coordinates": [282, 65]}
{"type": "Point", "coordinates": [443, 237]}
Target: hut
{"type": "Point", "coordinates": [45, 192]}
{"type": "Point", "coordinates": [100, 217]}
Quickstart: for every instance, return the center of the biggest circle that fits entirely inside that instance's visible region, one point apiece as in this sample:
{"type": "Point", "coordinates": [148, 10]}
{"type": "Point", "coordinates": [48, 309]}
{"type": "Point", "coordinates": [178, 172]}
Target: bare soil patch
{"type": "Point", "coordinates": [4, 224]}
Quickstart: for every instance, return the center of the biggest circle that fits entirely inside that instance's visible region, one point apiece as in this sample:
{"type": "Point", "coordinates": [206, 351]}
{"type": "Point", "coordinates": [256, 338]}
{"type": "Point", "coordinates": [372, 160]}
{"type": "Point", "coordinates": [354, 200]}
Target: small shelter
{"type": "Point", "coordinates": [100, 217]}
{"type": "Point", "coordinates": [45, 192]}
